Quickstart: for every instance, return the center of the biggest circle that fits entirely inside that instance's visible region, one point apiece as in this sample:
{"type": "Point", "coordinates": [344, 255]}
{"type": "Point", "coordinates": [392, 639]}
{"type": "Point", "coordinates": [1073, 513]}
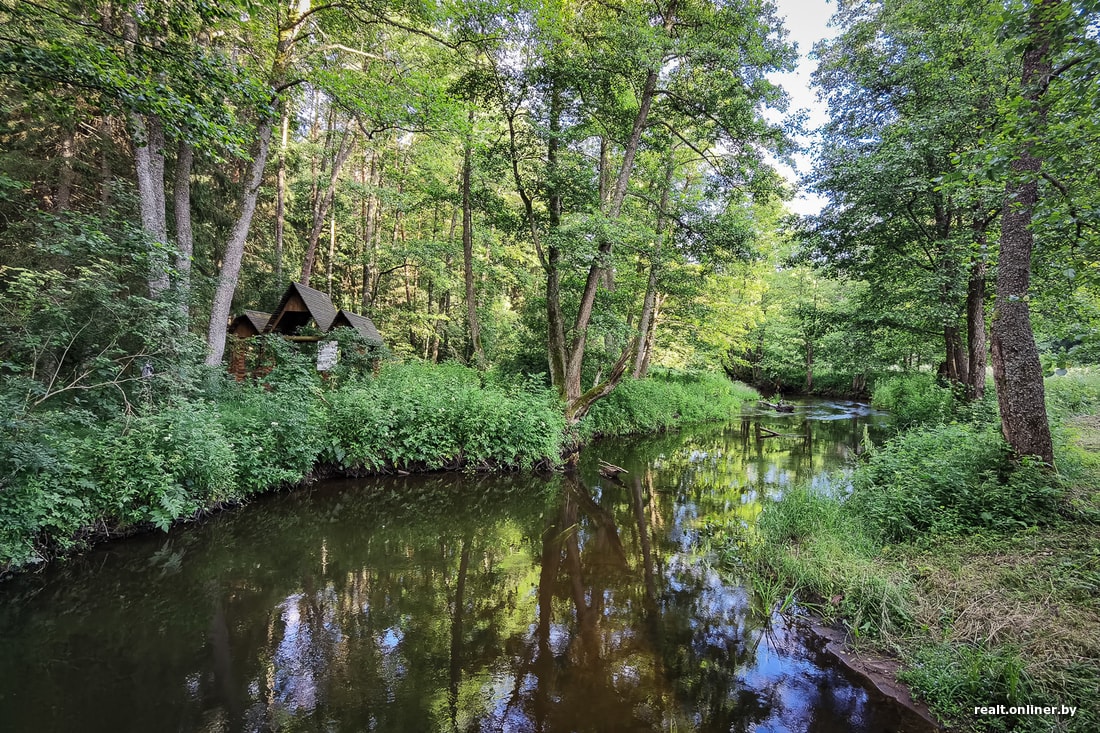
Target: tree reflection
{"type": "Point", "coordinates": [465, 604]}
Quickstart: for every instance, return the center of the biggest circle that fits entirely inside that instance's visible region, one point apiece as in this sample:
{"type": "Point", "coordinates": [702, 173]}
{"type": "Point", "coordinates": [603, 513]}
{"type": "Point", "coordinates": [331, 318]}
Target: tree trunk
{"type": "Point", "coordinates": [331, 253]}
{"type": "Point", "coordinates": [67, 175]}
{"type": "Point", "coordinates": [148, 138]}
{"type": "Point", "coordinates": [975, 327]}
{"type": "Point", "coordinates": [321, 204]}
{"type": "Point", "coordinates": [185, 243]}
{"type": "Point", "coordinates": [649, 300]}
{"type": "Point", "coordinates": [370, 226]}
{"type": "Point", "coordinates": [474, 352]}
{"type": "Point", "coordinates": [280, 196]}
{"type": "Point", "coordinates": [809, 386]}
{"type": "Point", "coordinates": [234, 251]}
{"type": "Point", "coordinates": [1016, 368]}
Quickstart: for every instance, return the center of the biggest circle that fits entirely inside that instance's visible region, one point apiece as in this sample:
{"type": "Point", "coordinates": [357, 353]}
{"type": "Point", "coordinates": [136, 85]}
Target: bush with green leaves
{"type": "Point", "coordinates": [415, 415]}
{"type": "Point", "coordinates": [665, 400]}
{"type": "Point", "coordinates": [914, 399]}
{"type": "Point", "coordinates": [950, 479]}
{"type": "Point", "coordinates": [77, 326]}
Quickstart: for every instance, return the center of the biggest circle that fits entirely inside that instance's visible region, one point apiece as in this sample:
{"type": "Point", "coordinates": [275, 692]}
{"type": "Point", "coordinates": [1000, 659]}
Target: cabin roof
{"type": "Point", "coordinates": [362, 324]}
{"type": "Point", "coordinates": [318, 307]}
{"type": "Point", "coordinates": [257, 318]}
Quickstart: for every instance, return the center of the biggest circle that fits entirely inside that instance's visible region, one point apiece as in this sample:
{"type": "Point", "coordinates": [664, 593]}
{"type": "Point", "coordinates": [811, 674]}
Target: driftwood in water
{"type": "Point", "coordinates": [780, 406]}
{"type": "Point", "coordinates": [610, 470]}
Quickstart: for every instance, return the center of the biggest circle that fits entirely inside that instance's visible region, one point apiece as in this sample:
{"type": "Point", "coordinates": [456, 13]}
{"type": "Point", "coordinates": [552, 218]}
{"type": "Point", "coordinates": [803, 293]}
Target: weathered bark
{"type": "Point", "coordinates": [975, 324]}
{"type": "Point", "coordinates": [474, 351]}
{"type": "Point", "coordinates": [147, 135]}
{"type": "Point", "coordinates": [370, 226]}
{"type": "Point", "coordinates": [809, 386]}
{"type": "Point", "coordinates": [148, 139]}
{"type": "Point", "coordinates": [1016, 368]}
{"type": "Point", "coordinates": [955, 354]}
{"type": "Point", "coordinates": [331, 253]}
{"type": "Point", "coordinates": [234, 250]}
{"type": "Point", "coordinates": [321, 204]}
{"type": "Point", "coordinates": [651, 335]}
{"type": "Point", "coordinates": [106, 176]}
{"type": "Point", "coordinates": [650, 298]}
{"type": "Point", "coordinates": [280, 197]}
{"type": "Point", "coordinates": [185, 241]}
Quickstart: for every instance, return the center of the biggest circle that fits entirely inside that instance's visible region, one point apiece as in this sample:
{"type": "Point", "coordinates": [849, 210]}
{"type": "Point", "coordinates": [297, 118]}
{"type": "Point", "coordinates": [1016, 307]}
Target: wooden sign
{"type": "Point", "coordinates": [326, 355]}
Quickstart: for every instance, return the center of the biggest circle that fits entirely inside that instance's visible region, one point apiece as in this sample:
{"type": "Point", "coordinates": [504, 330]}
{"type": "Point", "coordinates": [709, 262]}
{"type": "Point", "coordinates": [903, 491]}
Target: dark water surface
{"type": "Point", "coordinates": [449, 603]}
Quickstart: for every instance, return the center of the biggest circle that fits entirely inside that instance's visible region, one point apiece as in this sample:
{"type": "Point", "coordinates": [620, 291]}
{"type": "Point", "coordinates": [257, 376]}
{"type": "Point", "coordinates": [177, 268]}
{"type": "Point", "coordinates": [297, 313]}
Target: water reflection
{"type": "Point", "coordinates": [448, 603]}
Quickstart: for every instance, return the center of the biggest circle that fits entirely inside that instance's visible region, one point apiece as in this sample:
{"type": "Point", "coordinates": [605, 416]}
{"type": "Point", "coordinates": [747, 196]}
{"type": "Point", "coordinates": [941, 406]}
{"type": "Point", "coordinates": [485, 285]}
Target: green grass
{"type": "Point", "coordinates": [663, 401]}
{"type": "Point", "coordinates": [981, 610]}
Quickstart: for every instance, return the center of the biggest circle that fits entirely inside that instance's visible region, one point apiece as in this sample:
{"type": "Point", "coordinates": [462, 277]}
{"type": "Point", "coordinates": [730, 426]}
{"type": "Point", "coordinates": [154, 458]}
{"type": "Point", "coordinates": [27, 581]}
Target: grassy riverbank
{"type": "Point", "coordinates": [72, 476]}
{"type": "Point", "coordinates": [981, 576]}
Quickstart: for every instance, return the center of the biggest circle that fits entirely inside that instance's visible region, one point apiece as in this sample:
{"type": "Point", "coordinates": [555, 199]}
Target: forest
{"type": "Point", "coordinates": [567, 220]}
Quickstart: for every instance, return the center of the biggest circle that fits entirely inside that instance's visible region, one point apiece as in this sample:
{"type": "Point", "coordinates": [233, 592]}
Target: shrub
{"type": "Point", "coordinates": [950, 478]}
{"type": "Point", "coordinates": [414, 415]}
{"type": "Point", "coordinates": [914, 399]}
{"type": "Point", "coordinates": [275, 439]}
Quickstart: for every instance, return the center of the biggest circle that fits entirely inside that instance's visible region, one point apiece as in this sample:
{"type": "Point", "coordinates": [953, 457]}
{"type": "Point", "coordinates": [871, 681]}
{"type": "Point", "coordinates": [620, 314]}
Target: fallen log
{"type": "Point", "coordinates": [610, 470]}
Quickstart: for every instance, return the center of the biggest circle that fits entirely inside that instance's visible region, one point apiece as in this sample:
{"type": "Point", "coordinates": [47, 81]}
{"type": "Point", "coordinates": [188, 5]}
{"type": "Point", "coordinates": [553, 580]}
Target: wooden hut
{"type": "Point", "coordinates": [243, 327]}
{"type": "Point", "coordinates": [301, 306]}
{"type": "Point", "coordinates": [249, 324]}
{"type": "Point", "coordinates": [362, 324]}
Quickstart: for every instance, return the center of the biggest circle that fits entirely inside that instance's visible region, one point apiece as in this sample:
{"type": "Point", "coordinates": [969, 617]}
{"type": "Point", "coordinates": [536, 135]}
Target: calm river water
{"type": "Point", "coordinates": [449, 603]}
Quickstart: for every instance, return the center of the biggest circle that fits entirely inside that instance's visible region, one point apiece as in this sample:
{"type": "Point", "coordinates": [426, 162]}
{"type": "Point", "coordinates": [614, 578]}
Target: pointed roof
{"type": "Point", "coordinates": [362, 324]}
{"type": "Point", "coordinates": [256, 319]}
{"type": "Point", "coordinates": [317, 307]}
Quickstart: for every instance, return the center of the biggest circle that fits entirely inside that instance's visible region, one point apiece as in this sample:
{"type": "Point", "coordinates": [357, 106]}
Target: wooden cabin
{"type": "Point", "coordinates": [301, 306]}
{"type": "Point", "coordinates": [241, 329]}
{"type": "Point", "coordinates": [362, 324]}
{"type": "Point", "coordinates": [249, 324]}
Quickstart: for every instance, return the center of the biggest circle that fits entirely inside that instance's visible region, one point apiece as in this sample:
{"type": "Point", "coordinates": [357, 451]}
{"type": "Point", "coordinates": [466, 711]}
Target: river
{"type": "Point", "coordinates": [450, 602]}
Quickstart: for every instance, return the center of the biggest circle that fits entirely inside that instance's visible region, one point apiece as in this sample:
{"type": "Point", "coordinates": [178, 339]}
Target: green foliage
{"type": "Point", "coordinates": [665, 400]}
{"type": "Point", "coordinates": [914, 399]}
{"type": "Point", "coordinates": [415, 416]}
{"type": "Point", "coordinates": [950, 479]}
{"type": "Point", "coordinates": [1074, 393]}
{"type": "Point", "coordinates": [956, 678]}
{"type": "Point", "coordinates": [813, 545]}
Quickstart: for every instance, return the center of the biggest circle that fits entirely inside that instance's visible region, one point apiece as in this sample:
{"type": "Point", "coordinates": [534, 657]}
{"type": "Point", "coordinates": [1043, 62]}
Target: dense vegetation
{"type": "Point", "coordinates": [979, 572]}
{"type": "Point", "coordinates": [566, 222]}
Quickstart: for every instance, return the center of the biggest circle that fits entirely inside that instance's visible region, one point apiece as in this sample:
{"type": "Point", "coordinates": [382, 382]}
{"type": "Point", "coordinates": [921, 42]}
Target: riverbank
{"type": "Point", "coordinates": [73, 479]}
{"type": "Point", "coordinates": [981, 579]}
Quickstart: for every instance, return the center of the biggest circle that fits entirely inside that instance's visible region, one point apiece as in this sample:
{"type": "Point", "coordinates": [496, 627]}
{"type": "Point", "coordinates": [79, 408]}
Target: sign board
{"type": "Point", "coordinates": [326, 355]}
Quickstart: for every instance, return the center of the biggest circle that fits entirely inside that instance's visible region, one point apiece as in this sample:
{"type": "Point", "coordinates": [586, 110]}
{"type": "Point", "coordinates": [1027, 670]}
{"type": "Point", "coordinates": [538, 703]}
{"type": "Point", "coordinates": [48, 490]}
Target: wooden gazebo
{"type": "Point", "coordinates": [362, 324]}
{"type": "Point", "coordinates": [301, 306]}
{"type": "Point", "coordinates": [248, 324]}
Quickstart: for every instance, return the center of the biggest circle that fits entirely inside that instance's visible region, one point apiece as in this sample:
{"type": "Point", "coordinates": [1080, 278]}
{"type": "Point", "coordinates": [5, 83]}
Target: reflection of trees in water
{"type": "Point", "coordinates": [462, 604]}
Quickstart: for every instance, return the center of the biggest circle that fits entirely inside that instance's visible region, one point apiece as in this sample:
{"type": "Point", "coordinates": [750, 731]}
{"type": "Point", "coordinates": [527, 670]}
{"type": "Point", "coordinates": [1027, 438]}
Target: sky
{"type": "Point", "coordinates": [807, 22]}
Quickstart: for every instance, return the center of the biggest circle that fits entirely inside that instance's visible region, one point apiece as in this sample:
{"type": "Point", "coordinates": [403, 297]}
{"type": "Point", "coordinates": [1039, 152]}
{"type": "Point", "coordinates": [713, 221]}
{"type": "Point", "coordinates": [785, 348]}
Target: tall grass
{"type": "Point", "coordinates": [663, 401]}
